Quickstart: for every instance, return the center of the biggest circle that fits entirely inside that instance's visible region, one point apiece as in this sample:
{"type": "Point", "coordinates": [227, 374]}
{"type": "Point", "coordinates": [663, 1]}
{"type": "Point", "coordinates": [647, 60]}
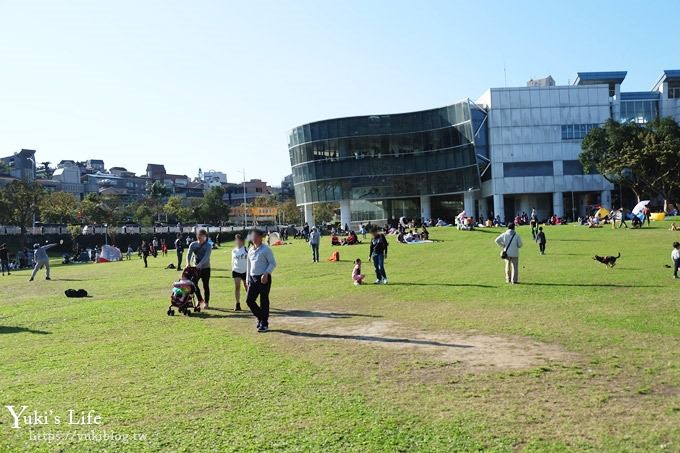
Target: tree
{"type": "Point", "coordinates": [264, 202]}
{"type": "Point", "coordinates": [660, 157]}
{"type": "Point", "coordinates": [645, 158]}
{"type": "Point", "coordinates": [5, 210]}
{"type": "Point", "coordinates": [47, 170]}
{"type": "Point", "coordinates": [96, 208]}
{"type": "Point", "coordinates": [213, 209]}
{"type": "Point", "coordinates": [175, 208]}
{"type": "Point", "coordinates": [157, 192]}
{"type": "Point", "coordinates": [611, 150]}
{"type": "Point", "coordinates": [290, 213]}
{"type": "Point", "coordinates": [4, 168]}
{"type": "Point", "coordinates": [23, 199]}
{"type": "Point", "coordinates": [144, 214]}
{"type": "Point", "coordinates": [325, 212]}
{"type": "Point", "coordinates": [58, 207]}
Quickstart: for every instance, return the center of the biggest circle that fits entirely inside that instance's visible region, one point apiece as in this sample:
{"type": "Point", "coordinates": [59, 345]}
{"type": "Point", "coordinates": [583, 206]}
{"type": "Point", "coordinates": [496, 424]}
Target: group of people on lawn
{"type": "Point", "coordinates": [252, 266]}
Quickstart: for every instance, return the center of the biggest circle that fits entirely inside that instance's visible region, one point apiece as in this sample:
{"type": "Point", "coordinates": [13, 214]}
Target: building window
{"type": "Point", "coordinates": [518, 169]}
{"type": "Point", "coordinates": [574, 167]}
{"type": "Point", "coordinates": [576, 131]}
{"type": "Point", "coordinates": [674, 92]}
{"type": "Point", "coordinates": [639, 111]}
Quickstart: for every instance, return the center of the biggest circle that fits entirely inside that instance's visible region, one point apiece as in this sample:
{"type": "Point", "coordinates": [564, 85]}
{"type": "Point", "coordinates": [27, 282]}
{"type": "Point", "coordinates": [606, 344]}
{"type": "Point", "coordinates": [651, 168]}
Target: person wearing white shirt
{"type": "Point", "coordinates": [239, 268]}
{"type": "Point", "coordinates": [261, 264]}
{"type": "Point", "coordinates": [675, 256]}
{"type": "Point", "coordinates": [511, 242]}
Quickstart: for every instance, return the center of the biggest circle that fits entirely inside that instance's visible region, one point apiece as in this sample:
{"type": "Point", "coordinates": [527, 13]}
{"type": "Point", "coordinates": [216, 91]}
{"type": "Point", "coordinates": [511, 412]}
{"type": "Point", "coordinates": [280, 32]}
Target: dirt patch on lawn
{"type": "Point", "coordinates": [471, 350]}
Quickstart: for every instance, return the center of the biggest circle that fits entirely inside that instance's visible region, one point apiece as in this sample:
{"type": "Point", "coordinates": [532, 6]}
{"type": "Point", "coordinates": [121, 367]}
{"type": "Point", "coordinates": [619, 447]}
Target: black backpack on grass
{"type": "Point", "coordinates": [75, 293]}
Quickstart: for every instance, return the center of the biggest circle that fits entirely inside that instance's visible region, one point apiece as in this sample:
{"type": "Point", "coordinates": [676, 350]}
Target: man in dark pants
{"type": "Point", "coordinates": [378, 253]}
{"type": "Point", "coordinates": [179, 248]}
{"type": "Point", "coordinates": [261, 264]}
{"type": "Point", "coordinates": [4, 259]}
{"type": "Point", "coordinates": [201, 249]}
{"type": "Point", "coordinates": [314, 241]}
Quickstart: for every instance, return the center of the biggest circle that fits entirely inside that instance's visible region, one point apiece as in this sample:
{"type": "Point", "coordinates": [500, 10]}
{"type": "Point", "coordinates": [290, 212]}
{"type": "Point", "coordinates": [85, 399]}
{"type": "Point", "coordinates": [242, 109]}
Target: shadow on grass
{"type": "Point", "coordinates": [368, 338]}
{"type": "Point", "coordinates": [206, 314]}
{"type": "Point", "coordinates": [572, 240]}
{"type": "Point", "coordinates": [460, 285]}
{"type": "Point", "coordinates": [319, 314]}
{"type": "Point", "coordinates": [16, 329]}
{"type": "Point", "coordinates": [496, 231]}
{"type": "Point", "coordinates": [280, 312]}
{"type": "Point", "coordinates": [589, 285]}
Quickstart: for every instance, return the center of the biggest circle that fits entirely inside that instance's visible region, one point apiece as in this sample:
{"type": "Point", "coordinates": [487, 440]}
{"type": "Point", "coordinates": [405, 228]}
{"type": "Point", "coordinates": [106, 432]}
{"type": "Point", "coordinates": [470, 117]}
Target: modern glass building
{"type": "Point", "coordinates": [381, 167]}
{"type": "Point", "coordinates": [512, 150]}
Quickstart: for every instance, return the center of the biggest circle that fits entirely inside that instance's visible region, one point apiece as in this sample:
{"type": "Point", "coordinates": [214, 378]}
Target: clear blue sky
{"type": "Point", "coordinates": [217, 84]}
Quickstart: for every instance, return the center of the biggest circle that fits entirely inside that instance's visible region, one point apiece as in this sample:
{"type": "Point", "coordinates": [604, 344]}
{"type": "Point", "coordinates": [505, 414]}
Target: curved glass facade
{"type": "Point", "coordinates": [379, 157]}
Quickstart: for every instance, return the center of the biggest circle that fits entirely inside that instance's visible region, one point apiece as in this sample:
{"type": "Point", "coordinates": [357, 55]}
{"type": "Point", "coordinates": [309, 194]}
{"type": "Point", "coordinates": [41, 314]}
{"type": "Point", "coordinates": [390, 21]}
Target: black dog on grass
{"type": "Point", "coordinates": [608, 260]}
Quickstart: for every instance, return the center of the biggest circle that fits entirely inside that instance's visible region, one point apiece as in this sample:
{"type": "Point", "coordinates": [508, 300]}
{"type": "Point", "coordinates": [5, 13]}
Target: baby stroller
{"type": "Point", "coordinates": [182, 295]}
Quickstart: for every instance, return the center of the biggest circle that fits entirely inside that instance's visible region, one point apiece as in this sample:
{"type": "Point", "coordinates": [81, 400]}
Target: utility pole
{"type": "Point", "coordinates": [245, 205]}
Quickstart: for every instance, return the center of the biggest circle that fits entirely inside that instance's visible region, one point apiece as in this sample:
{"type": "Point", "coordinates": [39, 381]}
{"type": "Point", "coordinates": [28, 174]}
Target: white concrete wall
{"type": "Point", "coordinates": [525, 124]}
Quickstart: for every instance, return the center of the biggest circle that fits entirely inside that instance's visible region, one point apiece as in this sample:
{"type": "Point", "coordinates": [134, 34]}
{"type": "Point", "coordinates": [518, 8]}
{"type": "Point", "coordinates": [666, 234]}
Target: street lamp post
{"type": "Point", "coordinates": [33, 207]}
{"type": "Point", "coordinates": [245, 203]}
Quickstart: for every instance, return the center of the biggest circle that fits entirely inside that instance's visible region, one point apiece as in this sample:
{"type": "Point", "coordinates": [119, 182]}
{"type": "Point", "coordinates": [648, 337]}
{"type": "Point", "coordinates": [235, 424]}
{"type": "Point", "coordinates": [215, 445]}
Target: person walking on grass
{"type": "Point", "coordinates": [534, 224]}
{"type": "Point", "coordinates": [201, 249]}
{"type": "Point", "coordinates": [239, 268]}
{"type": "Point", "coordinates": [261, 264]}
{"type": "Point", "coordinates": [675, 256]}
{"type": "Point", "coordinates": [179, 248]}
{"type": "Point", "coordinates": [144, 250]}
{"type": "Point", "coordinates": [41, 259]}
{"type": "Point", "coordinates": [540, 238]}
{"type": "Point", "coordinates": [378, 253]}
{"type": "Point", "coordinates": [314, 241]}
{"type": "Point", "coordinates": [4, 259]}
{"type": "Point", "coordinates": [511, 242]}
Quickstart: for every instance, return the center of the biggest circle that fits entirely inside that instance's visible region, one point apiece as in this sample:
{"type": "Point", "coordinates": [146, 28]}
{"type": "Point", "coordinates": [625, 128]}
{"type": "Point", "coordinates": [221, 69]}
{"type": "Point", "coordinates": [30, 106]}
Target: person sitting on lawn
{"type": "Point", "coordinates": [357, 276]}
{"type": "Point", "coordinates": [674, 227]}
{"type": "Point", "coordinates": [335, 240]}
{"type": "Point", "coordinates": [636, 222]}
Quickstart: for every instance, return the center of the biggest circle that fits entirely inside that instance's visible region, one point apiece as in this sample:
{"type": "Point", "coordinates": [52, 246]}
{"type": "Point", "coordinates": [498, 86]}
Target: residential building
{"type": "Point", "coordinates": [22, 164]}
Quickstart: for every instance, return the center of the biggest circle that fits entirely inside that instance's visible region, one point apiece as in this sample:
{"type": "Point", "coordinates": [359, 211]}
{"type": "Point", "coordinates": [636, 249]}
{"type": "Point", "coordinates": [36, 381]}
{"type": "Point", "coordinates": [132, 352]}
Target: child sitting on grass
{"type": "Point", "coordinates": [357, 277]}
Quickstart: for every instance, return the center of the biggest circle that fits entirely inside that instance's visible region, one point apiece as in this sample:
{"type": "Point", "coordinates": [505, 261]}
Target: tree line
{"type": "Point", "coordinates": [22, 203]}
{"type": "Point", "coordinates": [643, 157]}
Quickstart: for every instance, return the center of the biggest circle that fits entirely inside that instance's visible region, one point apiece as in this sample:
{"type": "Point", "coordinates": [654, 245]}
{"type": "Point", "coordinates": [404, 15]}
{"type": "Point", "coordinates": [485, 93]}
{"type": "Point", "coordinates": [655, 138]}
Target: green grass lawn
{"type": "Point", "coordinates": [447, 357]}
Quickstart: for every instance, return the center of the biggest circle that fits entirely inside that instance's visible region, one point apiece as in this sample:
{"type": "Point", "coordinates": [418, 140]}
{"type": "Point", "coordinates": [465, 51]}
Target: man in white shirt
{"type": "Point", "coordinates": [511, 242]}
{"type": "Point", "coordinates": [261, 264]}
